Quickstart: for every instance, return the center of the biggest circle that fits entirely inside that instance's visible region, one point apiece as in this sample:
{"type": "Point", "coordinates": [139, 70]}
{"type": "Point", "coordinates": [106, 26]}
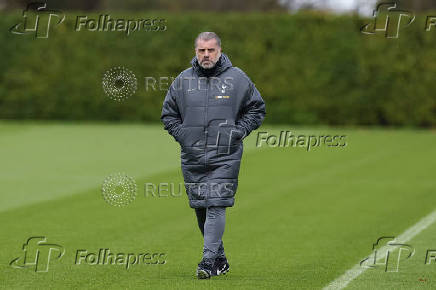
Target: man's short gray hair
{"type": "Point", "coordinates": [208, 36]}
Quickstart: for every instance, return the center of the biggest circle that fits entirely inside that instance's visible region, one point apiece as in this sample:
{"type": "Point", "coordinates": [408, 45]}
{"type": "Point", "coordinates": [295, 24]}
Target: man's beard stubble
{"type": "Point", "coordinates": [211, 64]}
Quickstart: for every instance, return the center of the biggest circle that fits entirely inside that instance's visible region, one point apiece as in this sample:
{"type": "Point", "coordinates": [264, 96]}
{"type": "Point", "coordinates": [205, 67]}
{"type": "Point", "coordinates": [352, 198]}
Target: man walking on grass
{"type": "Point", "coordinates": [209, 109]}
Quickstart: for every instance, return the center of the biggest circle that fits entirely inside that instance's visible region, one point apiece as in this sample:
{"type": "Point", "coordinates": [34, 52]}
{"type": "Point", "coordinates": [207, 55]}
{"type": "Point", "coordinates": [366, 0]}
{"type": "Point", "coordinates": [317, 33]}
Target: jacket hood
{"type": "Point", "coordinates": [222, 65]}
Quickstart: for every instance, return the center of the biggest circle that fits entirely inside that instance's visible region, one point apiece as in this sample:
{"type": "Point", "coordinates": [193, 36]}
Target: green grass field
{"type": "Point", "coordinates": [301, 219]}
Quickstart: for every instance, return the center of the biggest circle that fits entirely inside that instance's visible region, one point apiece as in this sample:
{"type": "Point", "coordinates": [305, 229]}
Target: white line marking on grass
{"type": "Point", "coordinates": [342, 281]}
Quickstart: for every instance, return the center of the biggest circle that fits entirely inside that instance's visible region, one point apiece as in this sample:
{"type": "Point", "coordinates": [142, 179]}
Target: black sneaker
{"type": "Point", "coordinates": [221, 266]}
{"type": "Point", "coordinates": [205, 268]}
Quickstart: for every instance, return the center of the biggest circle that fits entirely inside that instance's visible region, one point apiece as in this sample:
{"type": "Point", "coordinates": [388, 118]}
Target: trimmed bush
{"type": "Point", "coordinates": [310, 68]}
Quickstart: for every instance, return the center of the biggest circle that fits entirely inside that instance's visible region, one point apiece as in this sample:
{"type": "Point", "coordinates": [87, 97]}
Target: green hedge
{"type": "Point", "coordinates": [310, 68]}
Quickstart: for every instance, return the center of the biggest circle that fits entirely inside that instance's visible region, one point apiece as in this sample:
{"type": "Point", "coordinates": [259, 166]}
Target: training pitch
{"type": "Point", "coordinates": [302, 219]}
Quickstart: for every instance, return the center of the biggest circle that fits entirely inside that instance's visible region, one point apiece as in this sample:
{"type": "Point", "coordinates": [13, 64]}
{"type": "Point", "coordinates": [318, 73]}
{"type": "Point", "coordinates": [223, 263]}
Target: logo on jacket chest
{"type": "Point", "coordinates": [223, 91]}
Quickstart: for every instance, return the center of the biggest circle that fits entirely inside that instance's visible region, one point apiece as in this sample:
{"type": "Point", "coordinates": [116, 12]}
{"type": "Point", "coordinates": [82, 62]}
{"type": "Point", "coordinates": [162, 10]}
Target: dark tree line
{"type": "Point", "coordinates": [204, 5]}
{"type": "Point", "coordinates": [167, 5]}
{"type": "Point", "coordinates": [415, 5]}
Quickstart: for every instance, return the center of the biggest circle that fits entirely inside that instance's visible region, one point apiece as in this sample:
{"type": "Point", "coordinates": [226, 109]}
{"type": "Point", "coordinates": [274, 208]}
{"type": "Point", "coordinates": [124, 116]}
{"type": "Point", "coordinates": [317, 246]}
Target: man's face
{"type": "Point", "coordinates": [208, 52]}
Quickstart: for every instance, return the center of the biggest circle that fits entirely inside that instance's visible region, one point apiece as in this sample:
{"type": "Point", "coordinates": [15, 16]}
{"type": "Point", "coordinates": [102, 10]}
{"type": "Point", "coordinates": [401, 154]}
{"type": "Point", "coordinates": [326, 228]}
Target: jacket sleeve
{"type": "Point", "coordinates": [252, 111]}
{"type": "Point", "coordinates": [170, 116]}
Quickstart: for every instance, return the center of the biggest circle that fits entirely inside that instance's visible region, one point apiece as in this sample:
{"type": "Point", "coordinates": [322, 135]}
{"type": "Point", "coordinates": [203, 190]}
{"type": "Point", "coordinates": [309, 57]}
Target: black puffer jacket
{"type": "Point", "coordinates": [209, 112]}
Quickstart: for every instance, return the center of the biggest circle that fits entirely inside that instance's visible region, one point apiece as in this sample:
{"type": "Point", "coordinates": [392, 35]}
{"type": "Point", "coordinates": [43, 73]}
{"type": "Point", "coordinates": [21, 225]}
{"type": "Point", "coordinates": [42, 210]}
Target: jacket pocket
{"type": "Point", "coordinates": [193, 136]}
{"type": "Point", "coordinates": [180, 137]}
{"type": "Point", "coordinates": [239, 132]}
{"type": "Point", "coordinates": [235, 134]}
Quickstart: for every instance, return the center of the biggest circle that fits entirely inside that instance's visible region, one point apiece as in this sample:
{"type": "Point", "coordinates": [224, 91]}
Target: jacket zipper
{"type": "Point", "coordinates": [206, 135]}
